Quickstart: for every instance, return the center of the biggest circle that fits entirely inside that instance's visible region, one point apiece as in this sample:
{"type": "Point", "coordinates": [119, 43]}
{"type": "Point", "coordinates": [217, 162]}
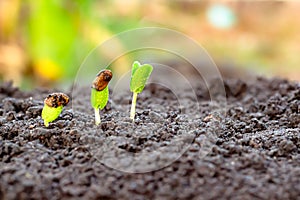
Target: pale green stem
{"type": "Point", "coordinates": [133, 104]}
{"type": "Point", "coordinates": [46, 123]}
{"type": "Point", "coordinates": [97, 116]}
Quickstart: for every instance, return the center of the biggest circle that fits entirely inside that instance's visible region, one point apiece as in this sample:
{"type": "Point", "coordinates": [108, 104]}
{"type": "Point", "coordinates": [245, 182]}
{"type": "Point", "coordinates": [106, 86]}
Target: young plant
{"type": "Point", "coordinates": [139, 76]}
{"type": "Point", "coordinates": [100, 94]}
{"type": "Point", "coordinates": [53, 106]}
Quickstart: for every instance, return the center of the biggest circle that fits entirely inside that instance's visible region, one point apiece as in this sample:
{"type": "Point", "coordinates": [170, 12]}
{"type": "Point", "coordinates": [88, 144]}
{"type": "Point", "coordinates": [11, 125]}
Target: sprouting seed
{"type": "Point", "coordinates": [99, 93]}
{"type": "Point", "coordinates": [53, 106]}
{"type": "Point", "coordinates": [139, 76]}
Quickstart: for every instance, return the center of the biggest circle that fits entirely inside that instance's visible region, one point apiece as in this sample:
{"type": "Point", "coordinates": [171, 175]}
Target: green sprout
{"type": "Point", "coordinates": [139, 76]}
{"type": "Point", "coordinates": [53, 106]}
{"type": "Point", "coordinates": [100, 94]}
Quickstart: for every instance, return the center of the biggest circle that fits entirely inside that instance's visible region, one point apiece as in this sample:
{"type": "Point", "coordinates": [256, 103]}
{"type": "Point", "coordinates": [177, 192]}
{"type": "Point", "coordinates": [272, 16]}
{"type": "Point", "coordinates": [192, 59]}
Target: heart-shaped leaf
{"type": "Point", "coordinates": [139, 76]}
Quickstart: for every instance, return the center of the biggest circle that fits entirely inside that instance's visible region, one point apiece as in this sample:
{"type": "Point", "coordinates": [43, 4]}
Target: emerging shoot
{"type": "Point", "coordinates": [139, 76]}
{"type": "Point", "coordinates": [99, 94]}
{"type": "Point", "coordinates": [53, 106]}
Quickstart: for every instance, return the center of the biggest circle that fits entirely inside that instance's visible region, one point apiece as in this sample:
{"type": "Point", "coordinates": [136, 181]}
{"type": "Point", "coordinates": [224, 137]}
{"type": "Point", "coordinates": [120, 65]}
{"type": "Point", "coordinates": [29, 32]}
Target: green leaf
{"type": "Point", "coordinates": [135, 66]}
{"type": "Point", "coordinates": [49, 114]}
{"type": "Point", "coordinates": [139, 76]}
{"type": "Point", "coordinates": [99, 98]}
{"type": "Point", "coordinates": [46, 41]}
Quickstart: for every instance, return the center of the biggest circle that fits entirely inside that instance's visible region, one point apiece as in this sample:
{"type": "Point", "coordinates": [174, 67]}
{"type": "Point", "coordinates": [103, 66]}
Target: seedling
{"type": "Point", "coordinates": [100, 94]}
{"type": "Point", "coordinates": [53, 106]}
{"type": "Point", "coordinates": [139, 76]}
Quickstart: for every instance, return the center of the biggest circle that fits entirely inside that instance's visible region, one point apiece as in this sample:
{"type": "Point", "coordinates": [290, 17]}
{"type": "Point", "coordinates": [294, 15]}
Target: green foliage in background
{"type": "Point", "coordinates": [52, 34]}
{"type": "Point", "coordinates": [60, 34]}
{"type": "Point", "coordinates": [49, 39]}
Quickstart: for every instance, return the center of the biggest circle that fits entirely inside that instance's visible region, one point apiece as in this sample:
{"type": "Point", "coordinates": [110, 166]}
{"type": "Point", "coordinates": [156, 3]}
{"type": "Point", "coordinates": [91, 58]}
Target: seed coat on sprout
{"type": "Point", "coordinates": [53, 106]}
{"type": "Point", "coordinates": [100, 93]}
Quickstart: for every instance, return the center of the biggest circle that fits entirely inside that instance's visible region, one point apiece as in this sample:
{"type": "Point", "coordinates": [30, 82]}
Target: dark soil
{"type": "Point", "coordinates": [176, 149]}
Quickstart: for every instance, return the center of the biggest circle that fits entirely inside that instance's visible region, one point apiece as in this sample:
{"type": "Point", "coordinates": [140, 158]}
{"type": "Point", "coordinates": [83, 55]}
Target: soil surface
{"type": "Point", "coordinates": [173, 150]}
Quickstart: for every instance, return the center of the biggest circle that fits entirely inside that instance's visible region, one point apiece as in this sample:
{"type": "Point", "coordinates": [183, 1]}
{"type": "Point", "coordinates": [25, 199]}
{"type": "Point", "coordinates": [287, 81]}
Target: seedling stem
{"type": "Point", "coordinates": [133, 104]}
{"type": "Point", "coordinates": [97, 116]}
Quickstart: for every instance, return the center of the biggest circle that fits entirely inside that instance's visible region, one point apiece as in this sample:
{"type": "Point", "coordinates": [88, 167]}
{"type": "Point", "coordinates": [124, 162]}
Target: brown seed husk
{"type": "Point", "coordinates": [102, 80]}
{"type": "Point", "coordinates": [55, 100]}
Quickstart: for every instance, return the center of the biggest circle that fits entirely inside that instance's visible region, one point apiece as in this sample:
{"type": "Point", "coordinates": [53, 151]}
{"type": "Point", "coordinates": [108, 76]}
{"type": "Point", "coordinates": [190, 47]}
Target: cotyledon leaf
{"type": "Point", "coordinates": [49, 114]}
{"type": "Point", "coordinates": [135, 66]}
{"type": "Point", "coordinates": [140, 75]}
{"type": "Point", "coordinates": [99, 98]}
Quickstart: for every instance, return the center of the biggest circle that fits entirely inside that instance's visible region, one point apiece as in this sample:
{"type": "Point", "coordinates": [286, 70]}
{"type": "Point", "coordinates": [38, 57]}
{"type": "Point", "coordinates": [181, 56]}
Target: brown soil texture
{"type": "Point", "coordinates": [254, 153]}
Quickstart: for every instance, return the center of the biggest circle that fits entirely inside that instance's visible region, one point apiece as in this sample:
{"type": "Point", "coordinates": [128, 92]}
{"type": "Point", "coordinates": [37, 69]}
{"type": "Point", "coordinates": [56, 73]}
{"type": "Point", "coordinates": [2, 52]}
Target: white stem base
{"type": "Point", "coordinates": [133, 104]}
{"type": "Point", "coordinates": [97, 116]}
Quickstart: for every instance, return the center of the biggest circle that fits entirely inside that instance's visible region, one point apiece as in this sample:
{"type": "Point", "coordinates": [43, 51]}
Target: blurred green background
{"type": "Point", "coordinates": [43, 43]}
